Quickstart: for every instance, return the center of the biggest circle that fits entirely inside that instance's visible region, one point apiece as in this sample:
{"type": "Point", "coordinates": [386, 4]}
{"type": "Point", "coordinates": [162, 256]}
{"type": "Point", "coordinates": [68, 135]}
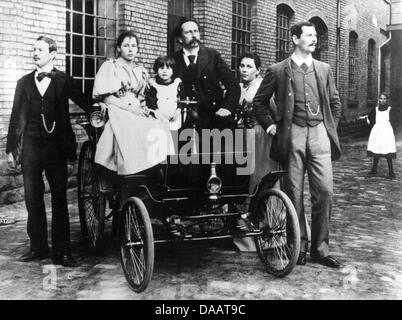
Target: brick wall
{"type": "Point", "coordinates": [366, 18]}
{"type": "Point", "coordinates": [326, 11]}
{"type": "Point", "coordinates": [396, 77]}
{"type": "Point", "coordinates": [21, 21]}
{"type": "Point", "coordinates": [20, 27]}
{"type": "Point", "coordinates": [149, 20]}
{"type": "Point", "coordinates": [263, 31]}
{"type": "Point", "coordinates": [199, 13]}
{"type": "Point", "coordinates": [218, 27]}
{"type": "Point", "coordinates": [396, 61]}
{"type": "Point", "coordinates": [264, 26]}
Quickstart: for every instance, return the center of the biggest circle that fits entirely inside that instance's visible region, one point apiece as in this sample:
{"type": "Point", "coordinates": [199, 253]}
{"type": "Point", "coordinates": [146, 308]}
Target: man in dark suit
{"type": "Point", "coordinates": [304, 124]}
{"type": "Point", "coordinates": [204, 72]}
{"type": "Point", "coordinates": [40, 137]}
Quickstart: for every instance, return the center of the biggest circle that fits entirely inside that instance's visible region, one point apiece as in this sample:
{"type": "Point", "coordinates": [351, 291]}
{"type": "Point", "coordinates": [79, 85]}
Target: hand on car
{"type": "Point", "coordinates": [103, 107]}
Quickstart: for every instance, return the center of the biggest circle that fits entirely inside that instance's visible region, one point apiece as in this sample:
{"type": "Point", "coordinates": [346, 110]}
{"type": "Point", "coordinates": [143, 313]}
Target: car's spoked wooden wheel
{"type": "Point", "coordinates": [279, 243]}
{"type": "Point", "coordinates": [91, 203]}
{"type": "Point", "coordinates": [136, 244]}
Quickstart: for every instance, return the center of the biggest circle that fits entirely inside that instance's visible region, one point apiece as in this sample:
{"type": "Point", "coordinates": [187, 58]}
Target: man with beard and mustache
{"type": "Point", "coordinates": [304, 124]}
{"type": "Point", "coordinates": [41, 139]}
{"type": "Point", "coordinates": [204, 72]}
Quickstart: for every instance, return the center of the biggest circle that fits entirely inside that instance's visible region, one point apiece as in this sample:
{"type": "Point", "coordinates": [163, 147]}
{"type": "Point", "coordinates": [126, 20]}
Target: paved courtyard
{"type": "Point", "coordinates": [366, 234]}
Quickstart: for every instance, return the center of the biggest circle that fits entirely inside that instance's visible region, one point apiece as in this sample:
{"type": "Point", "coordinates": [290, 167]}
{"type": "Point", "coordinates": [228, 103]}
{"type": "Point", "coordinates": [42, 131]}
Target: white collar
{"type": "Point", "coordinates": [299, 61]}
{"type": "Point", "coordinates": [47, 68]}
{"type": "Point", "coordinates": [187, 53]}
{"type": "Point", "coordinates": [256, 82]}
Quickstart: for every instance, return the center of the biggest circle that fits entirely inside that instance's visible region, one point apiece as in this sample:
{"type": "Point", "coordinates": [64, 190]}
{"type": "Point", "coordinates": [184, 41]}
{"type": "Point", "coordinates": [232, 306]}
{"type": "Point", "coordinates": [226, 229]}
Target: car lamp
{"type": "Point", "coordinates": [97, 119]}
{"type": "Point", "coordinates": [214, 184]}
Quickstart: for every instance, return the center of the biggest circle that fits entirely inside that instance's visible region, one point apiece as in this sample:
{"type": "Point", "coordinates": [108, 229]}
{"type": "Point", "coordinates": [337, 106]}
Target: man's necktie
{"type": "Point", "coordinates": [42, 75]}
{"type": "Point", "coordinates": [191, 58]}
{"type": "Point", "coordinates": [304, 67]}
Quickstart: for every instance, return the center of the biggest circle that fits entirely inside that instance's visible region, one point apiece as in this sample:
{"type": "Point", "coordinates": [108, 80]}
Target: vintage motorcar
{"type": "Point", "coordinates": [201, 199]}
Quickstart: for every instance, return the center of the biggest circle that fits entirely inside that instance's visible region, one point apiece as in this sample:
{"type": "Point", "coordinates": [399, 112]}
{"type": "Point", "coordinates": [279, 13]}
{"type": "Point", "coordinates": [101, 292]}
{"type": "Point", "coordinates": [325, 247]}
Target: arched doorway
{"type": "Point", "coordinates": [321, 51]}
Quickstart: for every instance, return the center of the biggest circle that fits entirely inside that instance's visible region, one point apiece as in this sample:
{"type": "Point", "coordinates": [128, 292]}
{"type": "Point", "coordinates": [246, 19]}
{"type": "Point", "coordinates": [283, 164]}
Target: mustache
{"type": "Point", "coordinates": [195, 40]}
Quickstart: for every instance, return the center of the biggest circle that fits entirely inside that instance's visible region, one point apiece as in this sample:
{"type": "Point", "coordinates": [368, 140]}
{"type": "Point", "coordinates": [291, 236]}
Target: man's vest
{"type": "Point", "coordinates": [42, 105]}
{"type": "Point", "coordinates": [307, 107]}
{"type": "Point", "coordinates": [189, 81]}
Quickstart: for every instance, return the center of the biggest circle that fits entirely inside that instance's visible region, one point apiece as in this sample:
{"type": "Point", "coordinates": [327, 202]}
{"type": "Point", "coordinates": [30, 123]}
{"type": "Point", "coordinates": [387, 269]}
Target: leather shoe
{"type": "Point", "coordinates": [302, 260]}
{"type": "Point", "coordinates": [65, 260]}
{"type": "Point", "coordinates": [328, 261]}
{"type": "Point", "coordinates": [34, 255]}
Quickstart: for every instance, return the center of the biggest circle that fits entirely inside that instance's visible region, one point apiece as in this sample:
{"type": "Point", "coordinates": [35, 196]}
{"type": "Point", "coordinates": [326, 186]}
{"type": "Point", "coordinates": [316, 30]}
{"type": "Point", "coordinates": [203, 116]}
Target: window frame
{"type": "Point", "coordinates": [241, 31]}
{"type": "Point", "coordinates": [174, 18]}
{"type": "Point", "coordinates": [284, 16]}
{"type": "Point", "coordinates": [96, 56]}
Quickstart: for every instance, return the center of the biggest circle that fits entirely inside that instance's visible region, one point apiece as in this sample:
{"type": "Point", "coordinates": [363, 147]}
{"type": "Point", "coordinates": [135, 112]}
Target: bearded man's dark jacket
{"type": "Point", "coordinates": [212, 73]}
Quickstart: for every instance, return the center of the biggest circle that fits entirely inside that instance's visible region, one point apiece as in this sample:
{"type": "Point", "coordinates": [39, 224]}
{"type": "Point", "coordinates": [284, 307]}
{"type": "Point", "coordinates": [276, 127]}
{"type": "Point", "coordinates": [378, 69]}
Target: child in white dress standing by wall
{"type": "Point", "coordinates": [381, 143]}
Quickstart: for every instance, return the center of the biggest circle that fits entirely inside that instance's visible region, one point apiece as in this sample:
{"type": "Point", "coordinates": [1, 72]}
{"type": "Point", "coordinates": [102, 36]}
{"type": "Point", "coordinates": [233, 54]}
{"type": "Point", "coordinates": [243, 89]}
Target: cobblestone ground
{"type": "Point", "coordinates": [366, 232]}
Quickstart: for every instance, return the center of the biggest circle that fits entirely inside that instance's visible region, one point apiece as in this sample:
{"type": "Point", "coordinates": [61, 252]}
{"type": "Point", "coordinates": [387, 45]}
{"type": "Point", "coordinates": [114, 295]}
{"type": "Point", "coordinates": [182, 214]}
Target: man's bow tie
{"type": "Point", "coordinates": [42, 75]}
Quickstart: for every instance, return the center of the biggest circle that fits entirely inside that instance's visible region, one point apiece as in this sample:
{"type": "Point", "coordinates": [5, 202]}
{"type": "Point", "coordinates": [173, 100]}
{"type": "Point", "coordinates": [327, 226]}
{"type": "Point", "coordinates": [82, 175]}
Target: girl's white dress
{"type": "Point", "coordinates": [130, 143]}
{"type": "Point", "coordinates": [167, 99]}
{"type": "Point", "coordinates": [381, 141]}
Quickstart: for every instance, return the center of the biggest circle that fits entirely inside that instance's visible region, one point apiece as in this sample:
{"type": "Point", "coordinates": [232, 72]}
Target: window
{"type": "Point", "coordinates": [321, 49]}
{"type": "Point", "coordinates": [241, 31]}
{"type": "Point", "coordinates": [91, 27]}
{"type": "Point", "coordinates": [177, 9]}
{"type": "Point", "coordinates": [283, 19]}
{"type": "Point", "coordinates": [371, 65]}
{"type": "Point", "coordinates": [385, 75]}
{"type": "Point", "coordinates": [353, 68]}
